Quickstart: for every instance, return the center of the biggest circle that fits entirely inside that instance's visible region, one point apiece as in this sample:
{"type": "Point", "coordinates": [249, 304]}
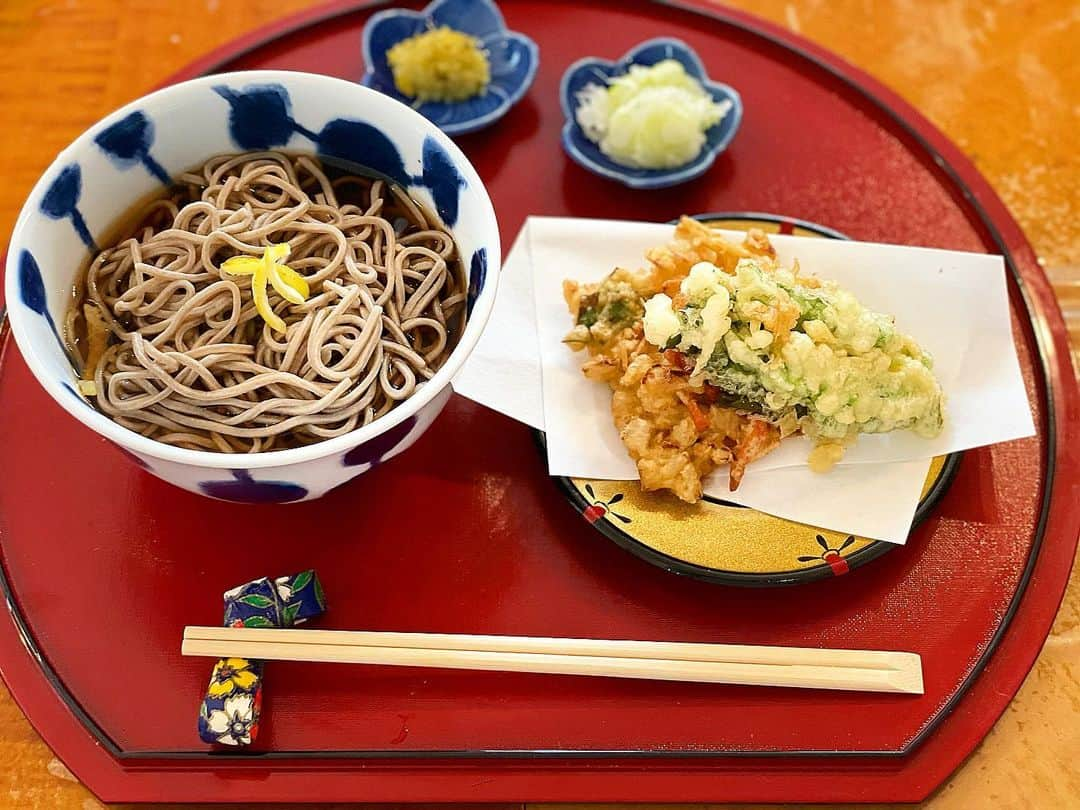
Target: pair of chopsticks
{"type": "Point", "coordinates": [807, 668]}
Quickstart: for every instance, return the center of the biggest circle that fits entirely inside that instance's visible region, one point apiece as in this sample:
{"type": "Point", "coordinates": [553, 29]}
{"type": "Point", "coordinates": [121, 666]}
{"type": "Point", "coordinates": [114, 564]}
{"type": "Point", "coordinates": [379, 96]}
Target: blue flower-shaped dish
{"type": "Point", "coordinates": [514, 59]}
{"type": "Point", "coordinates": [598, 71]}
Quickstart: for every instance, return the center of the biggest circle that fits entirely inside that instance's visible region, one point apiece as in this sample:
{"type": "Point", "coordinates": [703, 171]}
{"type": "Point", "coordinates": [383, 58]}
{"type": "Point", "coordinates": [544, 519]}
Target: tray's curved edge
{"type": "Point", "coordinates": [143, 779]}
{"type": "Point", "coordinates": [232, 50]}
{"type": "Point", "coordinates": [1060, 508]}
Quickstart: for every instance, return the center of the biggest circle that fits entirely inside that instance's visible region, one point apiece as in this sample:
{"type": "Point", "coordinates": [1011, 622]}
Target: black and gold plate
{"type": "Point", "coordinates": [723, 542]}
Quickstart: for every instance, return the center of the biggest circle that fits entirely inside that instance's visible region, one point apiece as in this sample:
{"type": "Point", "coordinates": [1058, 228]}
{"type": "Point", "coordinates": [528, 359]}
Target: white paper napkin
{"type": "Point", "coordinates": [955, 304]}
{"type": "Point", "coordinates": [503, 372]}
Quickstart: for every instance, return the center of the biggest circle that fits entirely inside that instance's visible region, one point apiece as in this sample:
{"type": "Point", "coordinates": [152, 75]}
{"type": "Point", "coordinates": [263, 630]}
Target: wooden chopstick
{"type": "Point", "coordinates": [861, 670]}
{"type": "Point", "coordinates": [675, 650]}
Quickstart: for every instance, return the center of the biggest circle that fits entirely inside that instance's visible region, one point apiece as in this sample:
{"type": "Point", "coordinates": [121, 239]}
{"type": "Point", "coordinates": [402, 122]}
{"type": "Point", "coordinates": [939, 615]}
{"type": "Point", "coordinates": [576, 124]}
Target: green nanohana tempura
{"type": "Point", "coordinates": [840, 370]}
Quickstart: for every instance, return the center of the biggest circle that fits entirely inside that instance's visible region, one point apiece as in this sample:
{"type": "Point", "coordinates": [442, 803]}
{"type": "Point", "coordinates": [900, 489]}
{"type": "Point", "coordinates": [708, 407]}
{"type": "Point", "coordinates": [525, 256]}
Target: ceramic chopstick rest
{"type": "Point", "coordinates": [229, 714]}
{"type": "Point", "coordinates": [302, 597]}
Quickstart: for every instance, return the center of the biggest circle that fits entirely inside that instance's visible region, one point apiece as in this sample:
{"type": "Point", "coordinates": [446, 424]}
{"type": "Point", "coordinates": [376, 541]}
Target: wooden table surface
{"type": "Point", "coordinates": [1001, 79]}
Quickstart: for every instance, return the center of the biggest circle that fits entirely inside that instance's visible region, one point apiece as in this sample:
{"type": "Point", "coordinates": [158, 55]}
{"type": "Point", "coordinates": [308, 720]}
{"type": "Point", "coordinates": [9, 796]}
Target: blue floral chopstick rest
{"type": "Point", "coordinates": [230, 710]}
{"type": "Point", "coordinates": [256, 604]}
{"type": "Point", "coordinates": [302, 597]}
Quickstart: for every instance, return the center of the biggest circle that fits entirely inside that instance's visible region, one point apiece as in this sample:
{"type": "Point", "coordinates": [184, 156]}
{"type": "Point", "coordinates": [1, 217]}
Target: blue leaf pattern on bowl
{"type": "Point", "coordinates": [477, 276]}
{"type": "Point", "coordinates": [445, 181]}
{"type": "Point", "coordinates": [596, 71]}
{"type": "Point", "coordinates": [513, 58]}
{"type": "Point", "coordinates": [375, 450]}
{"type": "Point", "coordinates": [365, 145]}
{"type": "Point", "coordinates": [260, 117]}
{"type": "Point", "coordinates": [61, 200]}
{"type": "Point", "coordinates": [31, 286]}
{"type": "Point", "coordinates": [245, 489]}
{"type": "Point", "coordinates": [128, 141]}
{"type": "Point", "coordinates": [32, 290]}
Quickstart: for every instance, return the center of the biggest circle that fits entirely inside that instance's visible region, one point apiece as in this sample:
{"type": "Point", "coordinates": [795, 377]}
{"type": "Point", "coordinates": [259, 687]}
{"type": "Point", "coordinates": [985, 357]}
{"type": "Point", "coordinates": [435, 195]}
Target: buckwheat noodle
{"type": "Point", "coordinates": [190, 362]}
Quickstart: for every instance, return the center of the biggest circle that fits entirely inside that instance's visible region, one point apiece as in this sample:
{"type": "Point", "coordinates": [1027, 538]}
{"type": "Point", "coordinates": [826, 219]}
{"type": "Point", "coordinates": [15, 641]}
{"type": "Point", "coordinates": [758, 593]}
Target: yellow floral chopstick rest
{"type": "Point", "coordinates": [270, 268]}
{"type": "Point", "coordinates": [230, 710]}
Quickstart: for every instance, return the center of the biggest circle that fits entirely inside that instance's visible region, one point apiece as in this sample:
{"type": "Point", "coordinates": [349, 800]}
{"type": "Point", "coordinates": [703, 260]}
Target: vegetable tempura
{"type": "Point", "coordinates": [716, 352]}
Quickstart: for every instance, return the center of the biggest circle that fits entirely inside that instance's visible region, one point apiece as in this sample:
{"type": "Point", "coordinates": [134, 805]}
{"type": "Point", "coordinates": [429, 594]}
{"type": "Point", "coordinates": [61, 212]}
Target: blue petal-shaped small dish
{"type": "Point", "coordinates": [598, 71]}
{"type": "Point", "coordinates": [514, 59]}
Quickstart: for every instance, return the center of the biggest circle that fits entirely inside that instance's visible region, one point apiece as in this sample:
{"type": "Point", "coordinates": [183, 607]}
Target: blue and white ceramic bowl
{"type": "Point", "coordinates": [514, 59]}
{"type": "Point", "coordinates": [598, 71]}
{"type": "Point", "coordinates": [134, 151]}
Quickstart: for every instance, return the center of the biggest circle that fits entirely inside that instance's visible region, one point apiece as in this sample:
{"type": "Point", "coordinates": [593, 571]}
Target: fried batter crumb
{"type": "Point", "coordinates": [675, 429]}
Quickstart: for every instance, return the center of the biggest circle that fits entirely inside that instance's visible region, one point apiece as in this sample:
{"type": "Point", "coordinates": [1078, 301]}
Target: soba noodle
{"type": "Point", "coordinates": [190, 361]}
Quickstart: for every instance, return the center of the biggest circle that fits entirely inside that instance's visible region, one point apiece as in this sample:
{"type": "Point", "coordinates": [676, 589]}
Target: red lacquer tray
{"type": "Point", "coordinates": [103, 565]}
